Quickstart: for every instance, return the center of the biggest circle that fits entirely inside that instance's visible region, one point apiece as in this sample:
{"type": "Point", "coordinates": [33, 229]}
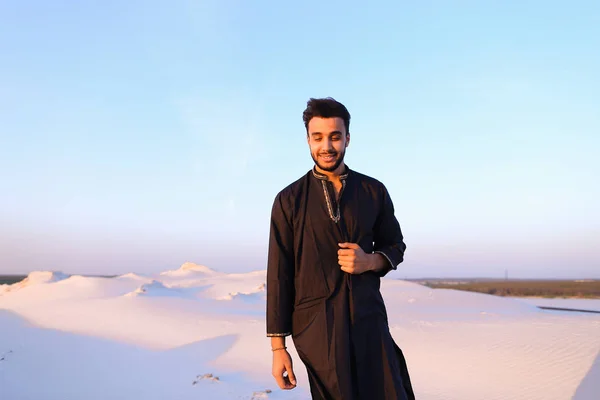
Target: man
{"type": "Point", "coordinates": [333, 235]}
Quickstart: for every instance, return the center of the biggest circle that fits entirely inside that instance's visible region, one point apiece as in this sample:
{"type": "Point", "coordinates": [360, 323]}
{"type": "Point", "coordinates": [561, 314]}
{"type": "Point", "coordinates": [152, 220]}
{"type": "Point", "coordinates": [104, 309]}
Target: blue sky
{"type": "Point", "coordinates": [135, 136]}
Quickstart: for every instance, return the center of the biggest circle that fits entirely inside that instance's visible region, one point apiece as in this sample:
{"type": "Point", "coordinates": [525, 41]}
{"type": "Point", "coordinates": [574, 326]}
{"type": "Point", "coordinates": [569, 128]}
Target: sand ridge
{"type": "Point", "coordinates": [174, 327]}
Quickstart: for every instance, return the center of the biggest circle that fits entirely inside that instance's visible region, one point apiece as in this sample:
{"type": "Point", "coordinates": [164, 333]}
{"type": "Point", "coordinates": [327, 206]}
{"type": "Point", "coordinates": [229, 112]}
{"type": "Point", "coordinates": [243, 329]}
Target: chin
{"type": "Point", "coordinates": [324, 168]}
{"type": "Point", "coordinates": [330, 167]}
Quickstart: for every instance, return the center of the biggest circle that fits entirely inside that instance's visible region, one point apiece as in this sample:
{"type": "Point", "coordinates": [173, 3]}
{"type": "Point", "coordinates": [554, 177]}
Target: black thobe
{"type": "Point", "coordinates": [338, 321]}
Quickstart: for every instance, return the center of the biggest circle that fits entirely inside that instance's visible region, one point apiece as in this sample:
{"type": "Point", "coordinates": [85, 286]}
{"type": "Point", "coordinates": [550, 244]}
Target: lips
{"type": "Point", "coordinates": [327, 157]}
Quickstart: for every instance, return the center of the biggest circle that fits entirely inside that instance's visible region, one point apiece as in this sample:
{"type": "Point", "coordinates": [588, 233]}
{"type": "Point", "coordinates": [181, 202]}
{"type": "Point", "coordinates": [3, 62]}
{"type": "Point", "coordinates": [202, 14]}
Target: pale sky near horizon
{"type": "Point", "coordinates": [136, 136]}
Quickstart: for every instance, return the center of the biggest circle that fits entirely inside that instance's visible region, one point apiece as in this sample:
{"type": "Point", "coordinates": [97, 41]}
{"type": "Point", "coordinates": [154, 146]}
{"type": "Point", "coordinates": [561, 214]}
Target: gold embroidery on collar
{"type": "Point", "coordinates": [334, 217]}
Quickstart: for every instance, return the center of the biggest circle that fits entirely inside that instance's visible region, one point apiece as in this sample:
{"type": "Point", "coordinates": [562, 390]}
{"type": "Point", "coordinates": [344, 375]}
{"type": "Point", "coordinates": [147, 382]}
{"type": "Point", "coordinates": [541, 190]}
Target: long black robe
{"type": "Point", "coordinates": [338, 321]}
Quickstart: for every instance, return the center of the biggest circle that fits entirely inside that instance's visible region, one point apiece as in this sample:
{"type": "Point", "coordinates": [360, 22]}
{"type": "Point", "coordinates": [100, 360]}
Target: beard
{"type": "Point", "coordinates": [338, 161]}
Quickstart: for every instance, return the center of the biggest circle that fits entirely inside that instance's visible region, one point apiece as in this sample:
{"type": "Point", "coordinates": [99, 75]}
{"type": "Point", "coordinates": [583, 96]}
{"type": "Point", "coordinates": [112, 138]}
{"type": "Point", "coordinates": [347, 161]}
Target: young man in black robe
{"type": "Point", "coordinates": [333, 235]}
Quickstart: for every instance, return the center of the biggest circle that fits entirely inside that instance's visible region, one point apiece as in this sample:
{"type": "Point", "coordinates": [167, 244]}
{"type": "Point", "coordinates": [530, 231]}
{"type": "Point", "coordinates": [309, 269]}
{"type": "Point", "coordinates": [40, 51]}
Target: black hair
{"type": "Point", "coordinates": [326, 108]}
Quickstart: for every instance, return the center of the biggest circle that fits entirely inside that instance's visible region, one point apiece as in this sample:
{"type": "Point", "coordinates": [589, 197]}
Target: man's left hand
{"type": "Point", "coordinates": [353, 259]}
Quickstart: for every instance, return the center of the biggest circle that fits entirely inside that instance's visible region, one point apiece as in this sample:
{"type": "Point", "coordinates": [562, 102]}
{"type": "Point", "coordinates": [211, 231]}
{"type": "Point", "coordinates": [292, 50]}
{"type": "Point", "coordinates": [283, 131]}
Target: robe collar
{"type": "Point", "coordinates": [324, 177]}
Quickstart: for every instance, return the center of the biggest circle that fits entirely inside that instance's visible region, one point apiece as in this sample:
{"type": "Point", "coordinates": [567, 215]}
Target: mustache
{"type": "Point", "coordinates": [328, 153]}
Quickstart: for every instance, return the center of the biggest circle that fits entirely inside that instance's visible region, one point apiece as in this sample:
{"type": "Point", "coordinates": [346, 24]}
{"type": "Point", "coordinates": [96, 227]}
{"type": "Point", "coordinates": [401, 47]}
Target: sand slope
{"type": "Point", "coordinates": [198, 333]}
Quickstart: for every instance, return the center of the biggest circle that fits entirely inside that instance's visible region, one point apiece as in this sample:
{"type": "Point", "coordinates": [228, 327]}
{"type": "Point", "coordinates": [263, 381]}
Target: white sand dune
{"type": "Point", "coordinates": [255, 295]}
{"type": "Point", "coordinates": [35, 278]}
{"type": "Point", "coordinates": [189, 269]}
{"type": "Point", "coordinates": [133, 276]}
{"type": "Point", "coordinates": [195, 333]}
{"type": "Point", "coordinates": [156, 288]}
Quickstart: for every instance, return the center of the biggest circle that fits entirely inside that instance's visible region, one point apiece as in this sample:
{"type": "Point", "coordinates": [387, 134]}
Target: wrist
{"type": "Point", "coordinates": [371, 265]}
{"type": "Point", "coordinates": [277, 342]}
{"type": "Point", "coordinates": [376, 262]}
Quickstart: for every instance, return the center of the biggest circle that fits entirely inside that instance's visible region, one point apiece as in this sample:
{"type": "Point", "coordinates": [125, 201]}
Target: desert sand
{"type": "Point", "coordinates": [197, 333]}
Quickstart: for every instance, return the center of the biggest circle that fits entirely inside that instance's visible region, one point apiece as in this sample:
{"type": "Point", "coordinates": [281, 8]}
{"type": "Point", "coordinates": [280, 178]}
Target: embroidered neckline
{"type": "Point", "coordinates": [324, 177]}
{"type": "Point", "coordinates": [334, 215]}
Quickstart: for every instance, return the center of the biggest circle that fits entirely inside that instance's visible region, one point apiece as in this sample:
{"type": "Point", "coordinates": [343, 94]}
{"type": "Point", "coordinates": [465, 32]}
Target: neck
{"type": "Point", "coordinates": [332, 175]}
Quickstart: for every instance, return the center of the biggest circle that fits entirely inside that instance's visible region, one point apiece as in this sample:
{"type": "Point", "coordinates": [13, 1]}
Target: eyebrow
{"type": "Point", "coordinates": [331, 133]}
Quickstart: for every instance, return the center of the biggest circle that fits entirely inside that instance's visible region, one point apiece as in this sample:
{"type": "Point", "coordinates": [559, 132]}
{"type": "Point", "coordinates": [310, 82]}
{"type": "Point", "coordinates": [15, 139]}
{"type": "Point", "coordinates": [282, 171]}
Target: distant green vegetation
{"type": "Point", "coordinates": [525, 288]}
{"type": "Point", "coordinates": [10, 279]}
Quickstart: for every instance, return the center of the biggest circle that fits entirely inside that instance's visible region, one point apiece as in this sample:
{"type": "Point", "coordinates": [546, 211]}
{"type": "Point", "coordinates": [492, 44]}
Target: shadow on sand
{"type": "Point", "coordinates": [588, 389]}
{"type": "Point", "coordinates": [52, 364]}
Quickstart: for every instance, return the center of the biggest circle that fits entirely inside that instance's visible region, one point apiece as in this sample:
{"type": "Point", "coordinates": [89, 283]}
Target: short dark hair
{"type": "Point", "coordinates": [326, 108]}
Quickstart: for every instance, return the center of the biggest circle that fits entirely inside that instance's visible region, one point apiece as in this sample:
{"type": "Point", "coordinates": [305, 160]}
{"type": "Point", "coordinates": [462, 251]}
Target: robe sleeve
{"type": "Point", "coordinates": [388, 238]}
{"type": "Point", "coordinates": [280, 270]}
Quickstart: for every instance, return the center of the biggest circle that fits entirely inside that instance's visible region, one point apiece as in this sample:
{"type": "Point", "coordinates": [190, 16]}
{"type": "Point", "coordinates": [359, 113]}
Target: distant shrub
{"type": "Point", "coordinates": [528, 288]}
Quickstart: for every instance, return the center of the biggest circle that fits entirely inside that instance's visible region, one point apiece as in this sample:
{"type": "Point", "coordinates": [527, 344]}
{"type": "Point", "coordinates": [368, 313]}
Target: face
{"type": "Point", "coordinates": [327, 140]}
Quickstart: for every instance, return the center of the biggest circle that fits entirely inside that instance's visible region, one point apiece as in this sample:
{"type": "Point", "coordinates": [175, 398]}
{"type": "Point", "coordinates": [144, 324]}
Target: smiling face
{"type": "Point", "coordinates": [327, 139]}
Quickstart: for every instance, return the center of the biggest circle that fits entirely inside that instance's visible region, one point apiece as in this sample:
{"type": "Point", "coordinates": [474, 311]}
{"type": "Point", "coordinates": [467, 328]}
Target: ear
{"type": "Point", "coordinates": [347, 139]}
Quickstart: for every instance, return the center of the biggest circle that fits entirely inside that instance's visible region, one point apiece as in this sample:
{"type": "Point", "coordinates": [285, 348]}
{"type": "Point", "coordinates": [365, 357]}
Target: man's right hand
{"type": "Point", "coordinates": [282, 362]}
